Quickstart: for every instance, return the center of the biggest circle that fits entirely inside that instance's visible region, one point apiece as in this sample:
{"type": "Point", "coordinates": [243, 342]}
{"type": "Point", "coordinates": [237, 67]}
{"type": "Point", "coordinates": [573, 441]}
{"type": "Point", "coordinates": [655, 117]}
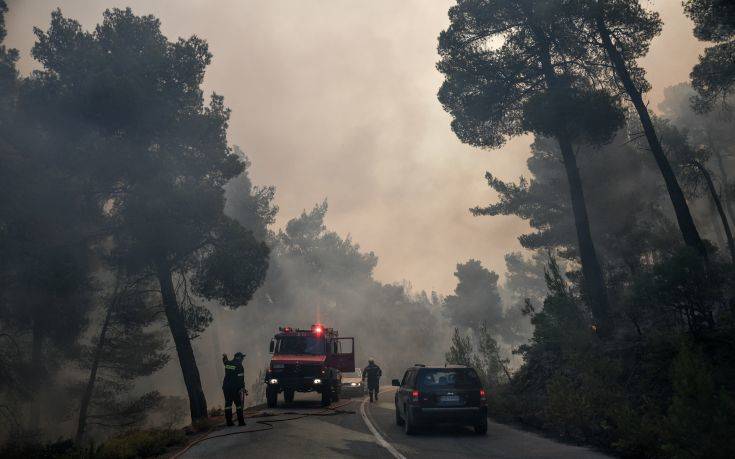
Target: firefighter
{"type": "Point", "coordinates": [372, 373]}
{"type": "Point", "coordinates": [233, 387]}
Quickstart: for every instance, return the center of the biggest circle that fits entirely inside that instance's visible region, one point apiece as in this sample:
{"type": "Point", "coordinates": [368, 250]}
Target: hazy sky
{"type": "Point", "coordinates": [336, 99]}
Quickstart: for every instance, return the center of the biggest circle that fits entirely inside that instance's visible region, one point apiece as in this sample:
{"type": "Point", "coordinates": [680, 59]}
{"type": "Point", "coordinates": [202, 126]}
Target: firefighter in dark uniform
{"type": "Point", "coordinates": [372, 373]}
{"type": "Point", "coordinates": [234, 386]}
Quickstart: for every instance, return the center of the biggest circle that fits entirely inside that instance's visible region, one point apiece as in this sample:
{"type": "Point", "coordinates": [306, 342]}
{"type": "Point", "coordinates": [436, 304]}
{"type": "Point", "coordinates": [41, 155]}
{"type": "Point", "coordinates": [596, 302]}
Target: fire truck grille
{"type": "Point", "coordinates": [292, 369]}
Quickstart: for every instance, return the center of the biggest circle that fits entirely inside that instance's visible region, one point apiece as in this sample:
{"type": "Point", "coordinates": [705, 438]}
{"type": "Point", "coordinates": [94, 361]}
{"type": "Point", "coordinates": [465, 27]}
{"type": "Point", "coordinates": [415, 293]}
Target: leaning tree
{"type": "Point", "coordinates": [505, 75]}
{"type": "Point", "coordinates": [165, 152]}
{"type": "Point", "coordinates": [610, 36]}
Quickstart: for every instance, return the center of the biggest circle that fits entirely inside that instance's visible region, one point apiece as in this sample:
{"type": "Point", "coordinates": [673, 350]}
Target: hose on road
{"type": "Point", "coordinates": [268, 424]}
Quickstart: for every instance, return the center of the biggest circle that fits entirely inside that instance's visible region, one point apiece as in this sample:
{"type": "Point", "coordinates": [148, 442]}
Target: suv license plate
{"type": "Point", "coordinates": [449, 398]}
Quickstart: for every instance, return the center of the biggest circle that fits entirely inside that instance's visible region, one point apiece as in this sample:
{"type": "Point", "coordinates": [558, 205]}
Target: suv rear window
{"type": "Point", "coordinates": [448, 377]}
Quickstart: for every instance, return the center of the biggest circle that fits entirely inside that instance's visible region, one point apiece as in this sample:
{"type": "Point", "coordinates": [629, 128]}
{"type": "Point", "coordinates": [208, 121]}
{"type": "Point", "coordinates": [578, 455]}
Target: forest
{"type": "Point", "coordinates": [136, 246]}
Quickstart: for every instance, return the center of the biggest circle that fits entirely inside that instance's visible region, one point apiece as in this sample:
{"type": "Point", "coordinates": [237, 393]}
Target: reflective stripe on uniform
{"type": "Point", "coordinates": [241, 374]}
{"type": "Point", "coordinates": [230, 367]}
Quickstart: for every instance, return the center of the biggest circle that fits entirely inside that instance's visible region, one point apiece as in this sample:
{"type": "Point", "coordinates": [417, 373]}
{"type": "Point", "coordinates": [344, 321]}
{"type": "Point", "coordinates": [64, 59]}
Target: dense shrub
{"type": "Point", "coordinates": [662, 386]}
{"type": "Point", "coordinates": [141, 443]}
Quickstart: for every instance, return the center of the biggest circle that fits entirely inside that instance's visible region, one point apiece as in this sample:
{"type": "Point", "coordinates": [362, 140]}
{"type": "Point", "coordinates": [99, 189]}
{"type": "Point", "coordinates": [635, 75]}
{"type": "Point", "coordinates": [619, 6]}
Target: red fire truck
{"type": "Point", "coordinates": [308, 360]}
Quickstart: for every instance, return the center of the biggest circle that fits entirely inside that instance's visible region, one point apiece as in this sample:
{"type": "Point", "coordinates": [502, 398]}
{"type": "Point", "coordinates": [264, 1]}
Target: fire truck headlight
{"type": "Point", "coordinates": [273, 381]}
{"type": "Point", "coordinates": [317, 381]}
{"type": "Point", "coordinates": [354, 384]}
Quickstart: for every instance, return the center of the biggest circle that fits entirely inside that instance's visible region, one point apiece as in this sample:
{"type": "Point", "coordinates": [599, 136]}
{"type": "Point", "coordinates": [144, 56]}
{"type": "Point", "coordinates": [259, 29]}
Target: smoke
{"type": "Point", "coordinates": [337, 99]}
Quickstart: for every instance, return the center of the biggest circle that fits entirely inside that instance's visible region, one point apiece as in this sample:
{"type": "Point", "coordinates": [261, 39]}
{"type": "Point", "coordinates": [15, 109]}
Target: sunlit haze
{"type": "Point", "coordinates": [339, 102]}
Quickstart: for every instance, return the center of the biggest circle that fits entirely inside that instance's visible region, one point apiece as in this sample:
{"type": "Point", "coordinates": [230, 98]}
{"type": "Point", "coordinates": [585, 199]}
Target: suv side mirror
{"type": "Point", "coordinates": [272, 347]}
{"type": "Point", "coordinates": [396, 383]}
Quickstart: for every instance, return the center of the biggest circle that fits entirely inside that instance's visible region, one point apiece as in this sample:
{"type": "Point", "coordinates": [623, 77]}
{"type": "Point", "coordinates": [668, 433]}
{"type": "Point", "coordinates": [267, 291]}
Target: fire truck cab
{"type": "Point", "coordinates": [308, 360]}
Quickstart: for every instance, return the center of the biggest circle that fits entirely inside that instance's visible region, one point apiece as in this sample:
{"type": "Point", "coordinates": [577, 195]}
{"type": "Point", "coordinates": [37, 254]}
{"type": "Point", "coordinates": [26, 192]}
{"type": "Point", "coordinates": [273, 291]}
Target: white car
{"type": "Point", "coordinates": [352, 384]}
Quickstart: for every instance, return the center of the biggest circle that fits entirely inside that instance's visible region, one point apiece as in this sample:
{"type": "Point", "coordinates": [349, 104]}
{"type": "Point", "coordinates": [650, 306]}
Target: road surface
{"type": "Point", "coordinates": [357, 428]}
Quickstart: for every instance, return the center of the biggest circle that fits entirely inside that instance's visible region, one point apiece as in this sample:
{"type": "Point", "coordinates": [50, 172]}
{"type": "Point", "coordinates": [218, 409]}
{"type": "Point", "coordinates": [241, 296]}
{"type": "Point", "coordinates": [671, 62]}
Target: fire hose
{"type": "Point", "coordinates": [268, 424]}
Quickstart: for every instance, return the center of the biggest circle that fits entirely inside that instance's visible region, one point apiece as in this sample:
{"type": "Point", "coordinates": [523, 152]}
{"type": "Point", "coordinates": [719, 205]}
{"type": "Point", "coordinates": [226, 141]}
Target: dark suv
{"type": "Point", "coordinates": [435, 395]}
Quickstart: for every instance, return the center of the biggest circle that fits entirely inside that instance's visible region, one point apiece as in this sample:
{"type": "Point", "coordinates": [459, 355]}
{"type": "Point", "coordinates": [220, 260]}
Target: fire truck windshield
{"type": "Point", "coordinates": [308, 345]}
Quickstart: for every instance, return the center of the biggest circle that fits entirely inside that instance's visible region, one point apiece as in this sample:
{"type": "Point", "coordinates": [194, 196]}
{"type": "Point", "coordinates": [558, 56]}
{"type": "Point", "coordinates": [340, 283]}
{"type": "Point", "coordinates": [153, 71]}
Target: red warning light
{"type": "Point", "coordinates": [288, 329]}
{"type": "Point", "coordinates": [317, 329]}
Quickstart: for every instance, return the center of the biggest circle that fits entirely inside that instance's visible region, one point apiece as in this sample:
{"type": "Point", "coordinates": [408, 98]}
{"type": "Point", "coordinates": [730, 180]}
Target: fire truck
{"type": "Point", "coordinates": [308, 360]}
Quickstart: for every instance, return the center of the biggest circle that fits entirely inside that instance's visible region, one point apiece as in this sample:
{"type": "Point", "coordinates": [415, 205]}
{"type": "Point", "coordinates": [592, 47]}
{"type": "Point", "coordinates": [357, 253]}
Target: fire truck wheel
{"type": "Point", "coordinates": [288, 395]}
{"type": "Point", "coordinates": [271, 395]}
{"type": "Point", "coordinates": [326, 396]}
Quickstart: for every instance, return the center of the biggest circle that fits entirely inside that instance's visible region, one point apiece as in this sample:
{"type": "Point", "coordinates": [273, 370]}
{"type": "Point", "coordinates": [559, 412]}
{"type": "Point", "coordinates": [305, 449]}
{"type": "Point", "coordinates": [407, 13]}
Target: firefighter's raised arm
{"type": "Point", "coordinates": [224, 358]}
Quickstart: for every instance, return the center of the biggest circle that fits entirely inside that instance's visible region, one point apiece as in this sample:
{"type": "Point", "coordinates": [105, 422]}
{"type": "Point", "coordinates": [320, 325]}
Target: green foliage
{"type": "Point", "coordinates": [663, 390]}
{"type": "Point", "coordinates": [626, 236]}
{"type": "Point", "coordinates": [497, 56]}
{"type": "Point", "coordinates": [141, 443]}
{"type": "Point", "coordinates": [476, 297]}
{"type": "Point", "coordinates": [592, 116]}
{"type": "Point", "coordinates": [235, 267]}
{"type": "Point", "coordinates": [460, 352]}
{"type": "Point", "coordinates": [701, 417]}
{"type": "Point", "coordinates": [714, 76]}
{"type": "Point", "coordinates": [249, 205]}
{"type": "Point", "coordinates": [486, 361]}
{"type": "Point", "coordinates": [682, 293]}
{"type": "Point", "coordinates": [61, 449]}
{"type": "Point", "coordinates": [492, 367]}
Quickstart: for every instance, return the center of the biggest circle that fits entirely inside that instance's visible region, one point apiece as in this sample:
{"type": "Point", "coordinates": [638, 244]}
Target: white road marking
{"type": "Point", "coordinates": [381, 441]}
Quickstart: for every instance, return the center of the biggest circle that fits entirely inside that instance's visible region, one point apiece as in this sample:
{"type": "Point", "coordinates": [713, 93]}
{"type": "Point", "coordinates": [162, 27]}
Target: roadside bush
{"type": "Point", "coordinates": [701, 417]}
{"type": "Point", "coordinates": [141, 443]}
{"type": "Point", "coordinates": [663, 385]}
{"type": "Point", "coordinates": [61, 449]}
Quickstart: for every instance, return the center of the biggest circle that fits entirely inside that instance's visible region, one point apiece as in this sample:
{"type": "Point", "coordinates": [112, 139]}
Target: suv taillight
{"type": "Point", "coordinates": [415, 395]}
{"type": "Point", "coordinates": [483, 397]}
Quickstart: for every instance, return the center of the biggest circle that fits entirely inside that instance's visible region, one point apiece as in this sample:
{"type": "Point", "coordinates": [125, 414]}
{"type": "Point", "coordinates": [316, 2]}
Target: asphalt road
{"type": "Point", "coordinates": [357, 428]}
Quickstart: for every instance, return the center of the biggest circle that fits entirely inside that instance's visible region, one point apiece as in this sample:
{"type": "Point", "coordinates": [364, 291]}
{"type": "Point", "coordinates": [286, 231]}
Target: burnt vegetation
{"type": "Point", "coordinates": [135, 247]}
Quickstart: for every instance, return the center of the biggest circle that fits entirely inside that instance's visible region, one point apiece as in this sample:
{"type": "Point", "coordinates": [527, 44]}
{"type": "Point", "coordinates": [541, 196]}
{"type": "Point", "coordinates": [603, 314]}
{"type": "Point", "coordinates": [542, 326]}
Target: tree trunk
{"type": "Point", "coordinates": [89, 390]}
{"type": "Point", "coordinates": [718, 205]}
{"type": "Point", "coordinates": [717, 225]}
{"type": "Point", "coordinates": [681, 208]}
{"type": "Point", "coordinates": [184, 350]}
{"type": "Point", "coordinates": [594, 283]}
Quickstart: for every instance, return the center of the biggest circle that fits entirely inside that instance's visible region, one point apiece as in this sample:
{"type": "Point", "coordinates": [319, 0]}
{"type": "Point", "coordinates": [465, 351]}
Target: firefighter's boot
{"type": "Point", "coordinates": [228, 416]}
{"type": "Point", "coordinates": [240, 417]}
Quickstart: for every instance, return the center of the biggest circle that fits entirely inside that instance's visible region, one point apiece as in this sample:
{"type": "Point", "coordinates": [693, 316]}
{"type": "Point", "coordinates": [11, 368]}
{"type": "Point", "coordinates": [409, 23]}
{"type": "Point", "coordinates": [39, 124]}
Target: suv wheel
{"type": "Point", "coordinates": [399, 419]}
{"type": "Point", "coordinates": [481, 428]}
{"type": "Point", "coordinates": [408, 424]}
{"type": "Point", "coordinates": [271, 395]}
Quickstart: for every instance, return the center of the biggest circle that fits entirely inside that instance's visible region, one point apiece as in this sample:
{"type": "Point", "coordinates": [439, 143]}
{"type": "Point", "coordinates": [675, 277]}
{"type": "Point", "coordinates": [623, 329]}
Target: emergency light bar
{"type": "Point", "coordinates": [317, 329]}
